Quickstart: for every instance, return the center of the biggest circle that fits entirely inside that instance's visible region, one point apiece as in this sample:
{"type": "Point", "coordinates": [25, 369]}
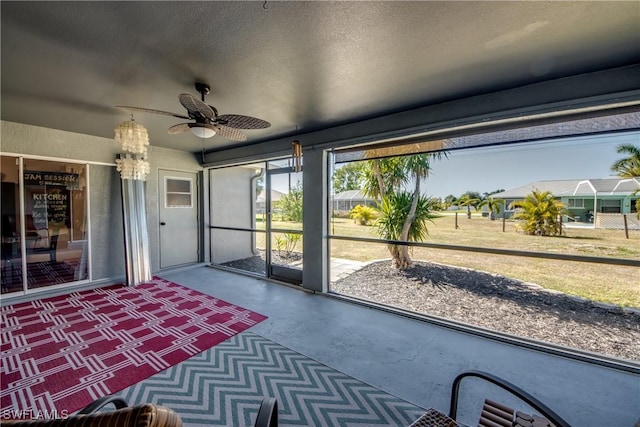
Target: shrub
{"type": "Point", "coordinates": [286, 244]}
{"type": "Point", "coordinates": [540, 213]}
{"type": "Point", "coordinates": [393, 212]}
{"type": "Point", "coordinates": [362, 215]}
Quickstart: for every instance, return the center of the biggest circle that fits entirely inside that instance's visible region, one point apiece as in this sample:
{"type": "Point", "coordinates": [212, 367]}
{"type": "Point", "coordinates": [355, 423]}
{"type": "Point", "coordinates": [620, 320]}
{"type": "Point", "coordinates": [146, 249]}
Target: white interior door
{"type": "Point", "coordinates": [178, 218]}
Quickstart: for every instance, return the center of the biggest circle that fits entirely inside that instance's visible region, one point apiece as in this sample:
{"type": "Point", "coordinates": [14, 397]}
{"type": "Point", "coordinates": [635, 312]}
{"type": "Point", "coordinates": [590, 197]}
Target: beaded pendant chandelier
{"type": "Point", "coordinates": [134, 141]}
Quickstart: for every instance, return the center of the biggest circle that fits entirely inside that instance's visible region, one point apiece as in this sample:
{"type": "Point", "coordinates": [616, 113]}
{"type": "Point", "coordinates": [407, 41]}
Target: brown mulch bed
{"type": "Point", "coordinates": [257, 263]}
{"type": "Point", "coordinates": [498, 303]}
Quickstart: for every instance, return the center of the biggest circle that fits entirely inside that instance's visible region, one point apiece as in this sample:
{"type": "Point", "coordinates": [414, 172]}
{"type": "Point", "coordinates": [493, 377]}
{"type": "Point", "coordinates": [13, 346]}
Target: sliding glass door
{"type": "Point", "coordinates": [44, 224]}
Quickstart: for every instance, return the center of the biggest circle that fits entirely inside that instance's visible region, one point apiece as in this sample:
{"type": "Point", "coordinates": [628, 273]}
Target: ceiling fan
{"type": "Point", "coordinates": [206, 121]}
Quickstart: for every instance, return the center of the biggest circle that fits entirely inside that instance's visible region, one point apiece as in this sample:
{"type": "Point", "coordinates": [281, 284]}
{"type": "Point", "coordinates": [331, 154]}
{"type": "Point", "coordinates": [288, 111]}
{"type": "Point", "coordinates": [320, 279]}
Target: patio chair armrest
{"type": "Point", "coordinates": [94, 406]}
{"type": "Point", "coordinates": [268, 413]}
{"type": "Point", "coordinates": [544, 410]}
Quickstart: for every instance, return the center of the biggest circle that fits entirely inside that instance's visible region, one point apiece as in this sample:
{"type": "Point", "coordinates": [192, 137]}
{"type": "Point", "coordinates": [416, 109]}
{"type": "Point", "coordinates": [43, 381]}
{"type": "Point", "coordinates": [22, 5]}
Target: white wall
{"type": "Point", "coordinates": [230, 206]}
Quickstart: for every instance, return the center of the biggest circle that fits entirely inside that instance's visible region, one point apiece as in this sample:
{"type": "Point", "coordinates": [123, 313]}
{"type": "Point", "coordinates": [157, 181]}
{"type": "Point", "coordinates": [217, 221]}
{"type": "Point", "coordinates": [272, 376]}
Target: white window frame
{"type": "Point", "coordinates": [167, 192]}
{"type": "Point", "coordinates": [571, 203]}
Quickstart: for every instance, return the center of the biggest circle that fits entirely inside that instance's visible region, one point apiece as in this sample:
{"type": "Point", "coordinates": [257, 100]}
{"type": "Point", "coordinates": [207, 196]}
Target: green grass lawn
{"type": "Point", "coordinates": [599, 282]}
{"type": "Point", "coordinates": [614, 284]}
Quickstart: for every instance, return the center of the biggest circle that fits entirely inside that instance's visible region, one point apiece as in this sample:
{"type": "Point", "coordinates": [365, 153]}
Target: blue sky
{"type": "Point", "coordinates": [489, 169]}
{"type": "Point", "coordinates": [505, 167]}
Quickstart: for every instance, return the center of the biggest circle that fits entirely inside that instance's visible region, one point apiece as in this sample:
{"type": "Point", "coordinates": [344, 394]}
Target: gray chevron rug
{"type": "Point", "coordinates": [223, 386]}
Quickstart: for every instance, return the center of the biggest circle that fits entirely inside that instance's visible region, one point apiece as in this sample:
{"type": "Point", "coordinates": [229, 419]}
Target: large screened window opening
{"type": "Point", "coordinates": [530, 233]}
{"type": "Point", "coordinates": [256, 219]}
{"type": "Point", "coordinates": [44, 224]}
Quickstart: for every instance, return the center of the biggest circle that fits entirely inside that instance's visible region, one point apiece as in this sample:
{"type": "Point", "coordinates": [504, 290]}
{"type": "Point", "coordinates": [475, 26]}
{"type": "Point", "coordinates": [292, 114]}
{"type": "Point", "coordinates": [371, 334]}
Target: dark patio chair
{"type": "Point", "coordinates": [495, 414]}
{"type": "Point", "coordinates": [146, 415]}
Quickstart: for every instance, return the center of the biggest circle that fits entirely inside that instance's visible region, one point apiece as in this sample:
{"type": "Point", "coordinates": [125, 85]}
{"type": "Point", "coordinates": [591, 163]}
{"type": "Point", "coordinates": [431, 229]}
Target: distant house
{"type": "Point", "coordinates": [584, 198]}
{"type": "Point", "coordinates": [261, 200]}
{"type": "Point", "coordinates": [347, 200]}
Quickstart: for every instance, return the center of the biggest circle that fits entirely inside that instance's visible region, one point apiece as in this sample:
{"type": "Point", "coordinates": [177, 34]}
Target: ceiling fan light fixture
{"type": "Point", "coordinates": [202, 131]}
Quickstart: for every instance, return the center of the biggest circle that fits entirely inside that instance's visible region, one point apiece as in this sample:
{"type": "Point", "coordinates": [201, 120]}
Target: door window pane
{"type": "Point", "coordinates": [178, 193]}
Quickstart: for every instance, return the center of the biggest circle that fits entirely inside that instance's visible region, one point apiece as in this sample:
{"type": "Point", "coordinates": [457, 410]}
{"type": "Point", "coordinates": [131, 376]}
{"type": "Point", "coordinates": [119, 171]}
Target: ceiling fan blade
{"type": "Point", "coordinates": [195, 107]}
{"type": "Point", "coordinates": [180, 128]}
{"type": "Point", "coordinates": [149, 110]}
{"type": "Point", "coordinates": [238, 121]}
{"type": "Point", "coordinates": [230, 133]}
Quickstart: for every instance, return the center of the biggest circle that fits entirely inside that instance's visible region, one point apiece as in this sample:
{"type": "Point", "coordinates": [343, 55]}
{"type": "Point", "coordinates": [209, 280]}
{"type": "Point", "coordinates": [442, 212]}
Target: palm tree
{"type": "Point", "coordinates": [540, 213]}
{"type": "Point", "coordinates": [382, 176]}
{"type": "Point", "coordinates": [468, 200]}
{"type": "Point", "coordinates": [635, 193]}
{"type": "Point", "coordinates": [627, 167]}
{"type": "Point", "coordinates": [384, 179]}
{"type": "Point", "coordinates": [494, 206]}
{"type": "Point", "coordinates": [394, 211]}
{"type": "Point", "coordinates": [450, 200]}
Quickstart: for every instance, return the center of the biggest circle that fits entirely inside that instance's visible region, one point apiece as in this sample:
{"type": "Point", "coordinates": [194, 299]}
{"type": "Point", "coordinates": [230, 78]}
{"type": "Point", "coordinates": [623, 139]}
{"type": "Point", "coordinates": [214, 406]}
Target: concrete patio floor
{"type": "Point", "coordinates": [417, 361]}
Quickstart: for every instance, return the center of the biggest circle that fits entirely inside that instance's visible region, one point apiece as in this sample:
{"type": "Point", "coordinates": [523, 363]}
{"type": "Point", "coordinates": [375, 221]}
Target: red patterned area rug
{"type": "Point", "coordinates": [59, 354]}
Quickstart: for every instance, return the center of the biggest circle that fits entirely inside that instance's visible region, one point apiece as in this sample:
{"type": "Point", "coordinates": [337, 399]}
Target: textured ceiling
{"type": "Point", "coordinates": [302, 66]}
